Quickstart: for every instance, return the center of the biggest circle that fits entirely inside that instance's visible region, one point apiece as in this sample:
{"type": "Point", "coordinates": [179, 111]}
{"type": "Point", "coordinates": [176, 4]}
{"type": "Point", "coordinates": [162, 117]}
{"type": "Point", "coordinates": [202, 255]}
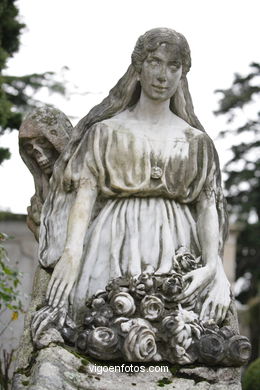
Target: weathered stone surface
{"type": "Point", "coordinates": [51, 335]}
{"type": "Point", "coordinates": [25, 351]}
{"type": "Point", "coordinates": [56, 368]}
{"type": "Point", "coordinates": [218, 375]}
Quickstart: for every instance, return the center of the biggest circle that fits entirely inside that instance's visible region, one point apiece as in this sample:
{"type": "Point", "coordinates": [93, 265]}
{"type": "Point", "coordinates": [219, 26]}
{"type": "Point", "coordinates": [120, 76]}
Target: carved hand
{"type": "Point", "coordinates": [46, 318]}
{"type": "Point", "coordinates": [197, 280]}
{"type": "Point", "coordinates": [217, 301]}
{"type": "Point", "coordinates": [62, 281]}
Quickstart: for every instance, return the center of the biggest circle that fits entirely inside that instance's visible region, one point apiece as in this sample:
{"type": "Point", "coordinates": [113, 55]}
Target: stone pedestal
{"type": "Point", "coordinates": [56, 368]}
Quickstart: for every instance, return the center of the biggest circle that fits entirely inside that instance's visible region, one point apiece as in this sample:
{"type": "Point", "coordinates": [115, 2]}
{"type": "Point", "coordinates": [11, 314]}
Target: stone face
{"type": "Point", "coordinates": [42, 137]}
{"type": "Point", "coordinates": [56, 368]}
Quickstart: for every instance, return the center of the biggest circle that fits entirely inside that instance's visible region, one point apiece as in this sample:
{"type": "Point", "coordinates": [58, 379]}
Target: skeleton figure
{"type": "Point", "coordinates": [42, 137]}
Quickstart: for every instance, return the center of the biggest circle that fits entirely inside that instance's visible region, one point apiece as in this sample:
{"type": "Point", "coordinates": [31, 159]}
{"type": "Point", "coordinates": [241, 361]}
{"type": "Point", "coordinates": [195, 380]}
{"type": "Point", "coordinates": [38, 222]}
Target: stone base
{"type": "Point", "coordinates": [56, 368]}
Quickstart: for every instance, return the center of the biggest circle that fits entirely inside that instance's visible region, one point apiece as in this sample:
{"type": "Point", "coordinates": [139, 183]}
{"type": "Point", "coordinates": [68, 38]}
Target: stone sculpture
{"type": "Point", "coordinates": [134, 224]}
{"type": "Point", "coordinates": [42, 137]}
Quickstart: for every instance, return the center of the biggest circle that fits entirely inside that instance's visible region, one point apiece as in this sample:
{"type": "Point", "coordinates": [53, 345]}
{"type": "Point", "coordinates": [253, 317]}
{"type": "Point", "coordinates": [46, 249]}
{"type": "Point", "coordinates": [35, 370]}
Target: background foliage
{"type": "Point", "coordinates": [240, 104]}
{"type": "Point", "coordinates": [17, 92]}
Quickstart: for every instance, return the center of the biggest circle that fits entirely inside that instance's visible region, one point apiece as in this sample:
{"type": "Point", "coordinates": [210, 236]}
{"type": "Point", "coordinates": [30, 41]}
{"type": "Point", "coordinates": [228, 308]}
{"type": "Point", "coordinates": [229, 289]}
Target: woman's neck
{"type": "Point", "coordinates": [152, 111]}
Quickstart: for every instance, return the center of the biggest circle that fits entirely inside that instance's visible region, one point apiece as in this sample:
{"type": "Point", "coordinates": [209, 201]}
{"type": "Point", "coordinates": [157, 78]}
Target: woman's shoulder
{"type": "Point", "coordinates": [107, 124]}
{"type": "Point", "coordinates": [194, 134]}
{"type": "Point", "coordinates": [119, 120]}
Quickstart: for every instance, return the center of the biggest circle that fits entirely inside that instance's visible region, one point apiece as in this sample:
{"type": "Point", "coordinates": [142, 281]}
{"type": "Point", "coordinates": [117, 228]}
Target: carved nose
{"type": "Point", "coordinates": [161, 76]}
{"type": "Point", "coordinates": [37, 151]}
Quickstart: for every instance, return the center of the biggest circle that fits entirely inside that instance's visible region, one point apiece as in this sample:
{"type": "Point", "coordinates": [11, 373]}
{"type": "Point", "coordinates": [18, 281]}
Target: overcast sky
{"type": "Point", "coordinates": [94, 39]}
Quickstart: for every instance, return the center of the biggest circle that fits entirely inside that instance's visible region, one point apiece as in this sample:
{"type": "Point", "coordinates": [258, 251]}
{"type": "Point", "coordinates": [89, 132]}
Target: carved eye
{"type": "Point", "coordinates": [54, 132]}
{"type": "Point", "coordinates": [153, 62]}
{"type": "Point", "coordinates": [28, 148]}
{"type": "Point", "coordinates": [42, 141]}
{"type": "Point", "coordinates": [175, 66]}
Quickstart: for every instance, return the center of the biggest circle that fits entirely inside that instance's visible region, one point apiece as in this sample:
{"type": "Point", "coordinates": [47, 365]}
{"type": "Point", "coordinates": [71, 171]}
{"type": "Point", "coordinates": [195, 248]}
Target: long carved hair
{"type": "Point", "coordinates": [125, 94]}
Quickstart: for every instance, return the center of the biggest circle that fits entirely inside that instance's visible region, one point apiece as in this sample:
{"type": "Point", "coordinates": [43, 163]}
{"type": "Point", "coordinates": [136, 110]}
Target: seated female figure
{"type": "Point", "coordinates": [143, 157]}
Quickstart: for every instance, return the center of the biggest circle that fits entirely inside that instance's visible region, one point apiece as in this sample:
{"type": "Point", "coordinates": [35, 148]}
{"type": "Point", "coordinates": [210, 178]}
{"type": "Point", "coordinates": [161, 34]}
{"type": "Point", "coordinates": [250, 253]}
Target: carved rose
{"type": "Point", "coordinates": [184, 261]}
{"type": "Point", "coordinates": [169, 324]}
{"type": "Point", "coordinates": [123, 304]}
{"type": "Point", "coordinates": [152, 308]}
{"type": "Point", "coordinates": [100, 320]}
{"type": "Point", "coordinates": [179, 335]}
{"type": "Point", "coordinates": [139, 345]}
{"type": "Point", "coordinates": [147, 280]}
{"type": "Point", "coordinates": [127, 325]}
{"type": "Point", "coordinates": [210, 327]}
{"type": "Point", "coordinates": [106, 311]}
{"type": "Point", "coordinates": [211, 348]}
{"type": "Point", "coordinates": [103, 343]}
{"type": "Point", "coordinates": [187, 316]}
{"type": "Point", "coordinates": [239, 350]}
{"type": "Point", "coordinates": [172, 286]}
{"type": "Point", "coordinates": [137, 288]}
{"type": "Point", "coordinates": [117, 284]}
{"type": "Point", "coordinates": [82, 341]}
{"type": "Point", "coordinates": [227, 332]}
{"type": "Point", "coordinates": [98, 302]}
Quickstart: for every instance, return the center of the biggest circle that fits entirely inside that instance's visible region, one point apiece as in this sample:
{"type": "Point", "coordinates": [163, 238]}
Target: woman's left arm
{"type": "Point", "coordinates": [208, 234]}
{"type": "Point", "coordinates": [208, 229]}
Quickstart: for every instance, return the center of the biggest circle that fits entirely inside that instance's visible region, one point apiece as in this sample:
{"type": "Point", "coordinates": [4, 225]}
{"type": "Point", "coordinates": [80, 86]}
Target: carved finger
{"type": "Point", "coordinates": [188, 276]}
{"type": "Point", "coordinates": [63, 302]}
{"type": "Point", "coordinates": [53, 292]}
{"type": "Point", "coordinates": [204, 309]}
{"type": "Point", "coordinates": [39, 316]}
{"type": "Point", "coordinates": [65, 295]}
{"type": "Point", "coordinates": [213, 310]}
{"type": "Point", "coordinates": [208, 309]}
{"type": "Point", "coordinates": [219, 313]}
{"type": "Point", "coordinates": [39, 319]}
{"type": "Point", "coordinates": [72, 294]}
{"type": "Point", "coordinates": [224, 312]}
{"type": "Point", "coordinates": [59, 293]}
{"type": "Point", "coordinates": [49, 319]}
{"type": "Point", "coordinates": [187, 293]}
{"type": "Point", "coordinates": [50, 286]}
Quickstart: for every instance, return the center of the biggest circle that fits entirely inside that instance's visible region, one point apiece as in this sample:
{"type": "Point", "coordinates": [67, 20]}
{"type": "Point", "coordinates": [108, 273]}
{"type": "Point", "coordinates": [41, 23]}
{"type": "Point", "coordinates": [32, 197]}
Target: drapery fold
{"type": "Point", "coordinates": [143, 220]}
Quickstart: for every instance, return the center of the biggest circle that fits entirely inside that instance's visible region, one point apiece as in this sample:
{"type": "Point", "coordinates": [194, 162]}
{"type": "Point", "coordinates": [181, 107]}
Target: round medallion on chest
{"type": "Point", "coordinates": [156, 172]}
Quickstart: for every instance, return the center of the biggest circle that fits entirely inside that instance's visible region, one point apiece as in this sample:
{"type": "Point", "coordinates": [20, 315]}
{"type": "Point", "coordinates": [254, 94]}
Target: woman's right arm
{"type": "Point", "coordinates": [66, 270]}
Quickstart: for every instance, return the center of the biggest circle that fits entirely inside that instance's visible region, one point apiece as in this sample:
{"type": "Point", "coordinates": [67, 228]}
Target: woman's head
{"type": "Point", "coordinates": [152, 39]}
{"type": "Point", "coordinates": [126, 92]}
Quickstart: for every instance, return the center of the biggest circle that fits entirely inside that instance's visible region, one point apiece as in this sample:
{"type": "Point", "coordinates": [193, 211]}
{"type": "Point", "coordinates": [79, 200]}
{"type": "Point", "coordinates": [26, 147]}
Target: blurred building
{"type": "Point", "coordinates": [22, 255]}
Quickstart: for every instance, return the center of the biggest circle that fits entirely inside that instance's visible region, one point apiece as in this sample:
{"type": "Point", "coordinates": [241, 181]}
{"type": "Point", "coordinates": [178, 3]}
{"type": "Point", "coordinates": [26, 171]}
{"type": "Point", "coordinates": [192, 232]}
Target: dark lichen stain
{"type": "Point", "coordinates": [85, 362]}
{"type": "Point", "coordinates": [82, 369]}
{"type": "Point", "coordinates": [78, 355]}
{"type": "Point", "coordinates": [164, 381]}
{"type": "Point", "coordinates": [25, 383]}
{"type": "Point", "coordinates": [174, 370]}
